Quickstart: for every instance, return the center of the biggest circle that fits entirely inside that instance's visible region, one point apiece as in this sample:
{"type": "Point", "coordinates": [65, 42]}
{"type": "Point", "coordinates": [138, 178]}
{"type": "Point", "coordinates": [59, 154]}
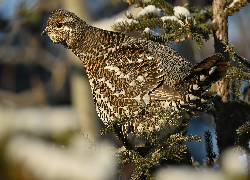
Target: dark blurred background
{"type": "Point", "coordinates": [36, 74]}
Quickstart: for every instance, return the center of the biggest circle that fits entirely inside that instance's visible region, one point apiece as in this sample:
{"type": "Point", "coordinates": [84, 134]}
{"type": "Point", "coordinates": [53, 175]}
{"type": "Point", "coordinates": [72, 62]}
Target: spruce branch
{"type": "Point", "coordinates": [116, 127]}
{"type": "Point", "coordinates": [227, 123]}
{"type": "Point", "coordinates": [242, 60]}
{"type": "Point", "coordinates": [171, 150]}
{"type": "Point", "coordinates": [129, 27]}
{"type": "Point", "coordinates": [148, 16]}
{"type": "Point", "coordinates": [153, 23]}
{"type": "Point", "coordinates": [245, 128]}
{"type": "Point", "coordinates": [192, 9]}
{"type": "Point", "coordinates": [237, 73]}
{"type": "Point", "coordinates": [158, 3]}
{"type": "Point", "coordinates": [166, 7]}
{"type": "Point", "coordinates": [129, 15]}
{"type": "Point", "coordinates": [170, 28]}
{"type": "Point", "coordinates": [177, 138]}
{"type": "Point", "coordinates": [235, 57]}
{"type": "Point", "coordinates": [243, 136]}
{"type": "Point", "coordinates": [235, 6]}
{"type": "Point", "coordinates": [138, 3]}
{"type": "Point", "coordinates": [209, 148]}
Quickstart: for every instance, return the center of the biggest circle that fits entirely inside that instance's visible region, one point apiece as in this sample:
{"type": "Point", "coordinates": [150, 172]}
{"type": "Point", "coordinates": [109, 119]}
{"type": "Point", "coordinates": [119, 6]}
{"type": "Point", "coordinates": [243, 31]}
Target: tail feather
{"type": "Point", "coordinates": [214, 68]}
{"type": "Point", "coordinates": [201, 77]}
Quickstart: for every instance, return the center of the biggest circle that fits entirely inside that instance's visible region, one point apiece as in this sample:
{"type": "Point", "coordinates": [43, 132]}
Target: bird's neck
{"type": "Point", "coordinates": [93, 46]}
{"type": "Point", "coordinates": [93, 40]}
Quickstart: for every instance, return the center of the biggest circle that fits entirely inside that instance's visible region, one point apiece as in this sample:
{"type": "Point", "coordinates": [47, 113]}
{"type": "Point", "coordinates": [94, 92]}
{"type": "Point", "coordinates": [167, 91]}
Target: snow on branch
{"type": "Point", "coordinates": [124, 21]}
{"type": "Point", "coordinates": [149, 9]}
{"type": "Point", "coordinates": [148, 30]}
{"type": "Point", "coordinates": [235, 6]}
{"type": "Point", "coordinates": [172, 18]}
{"type": "Point", "coordinates": [178, 10]}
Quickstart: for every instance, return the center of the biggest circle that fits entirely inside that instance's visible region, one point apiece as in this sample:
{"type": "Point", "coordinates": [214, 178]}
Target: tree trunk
{"type": "Point", "coordinates": [220, 39]}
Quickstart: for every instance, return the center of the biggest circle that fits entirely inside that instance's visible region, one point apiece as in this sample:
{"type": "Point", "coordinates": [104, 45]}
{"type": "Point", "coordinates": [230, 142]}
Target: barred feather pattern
{"type": "Point", "coordinates": [125, 72]}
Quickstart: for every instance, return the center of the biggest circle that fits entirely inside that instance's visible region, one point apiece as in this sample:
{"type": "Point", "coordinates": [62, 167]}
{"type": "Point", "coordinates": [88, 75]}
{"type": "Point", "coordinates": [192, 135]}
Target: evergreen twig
{"type": "Point", "coordinates": [209, 148]}
{"type": "Point", "coordinates": [245, 128]}
{"type": "Point", "coordinates": [235, 7]}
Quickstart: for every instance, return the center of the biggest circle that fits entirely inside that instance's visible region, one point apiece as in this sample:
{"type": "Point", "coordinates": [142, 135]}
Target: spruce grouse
{"type": "Point", "coordinates": [126, 73]}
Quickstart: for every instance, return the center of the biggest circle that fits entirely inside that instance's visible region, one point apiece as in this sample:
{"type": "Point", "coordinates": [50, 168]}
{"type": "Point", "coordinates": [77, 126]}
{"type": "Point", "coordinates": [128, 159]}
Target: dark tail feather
{"type": "Point", "coordinates": [203, 74]}
{"type": "Point", "coordinates": [193, 87]}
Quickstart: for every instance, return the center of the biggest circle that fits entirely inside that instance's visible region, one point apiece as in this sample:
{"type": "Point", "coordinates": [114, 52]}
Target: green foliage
{"type": "Point", "coordinates": [228, 116]}
{"type": "Point", "coordinates": [209, 148]}
{"type": "Point", "coordinates": [198, 27]}
{"type": "Point", "coordinates": [116, 127]}
{"type": "Point", "coordinates": [245, 128]}
{"type": "Point", "coordinates": [155, 149]}
{"type": "Point", "coordinates": [235, 7]}
{"type": "Point", "coordinates": [172, 151]}
{"type": "Point", "coordinates": [158, 3]}
{"type": "Point", "coordinates": [237, 73]}
{"type": "Point", "coordinates": [244, 136]}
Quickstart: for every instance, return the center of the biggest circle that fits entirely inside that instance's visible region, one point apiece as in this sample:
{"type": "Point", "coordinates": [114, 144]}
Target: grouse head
{"type": "Point", "coordinates": [64, 27]}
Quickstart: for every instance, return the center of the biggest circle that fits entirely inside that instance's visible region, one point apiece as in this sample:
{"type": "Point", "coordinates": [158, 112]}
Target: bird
{"type": "Point", "coordinates": [126, 73]}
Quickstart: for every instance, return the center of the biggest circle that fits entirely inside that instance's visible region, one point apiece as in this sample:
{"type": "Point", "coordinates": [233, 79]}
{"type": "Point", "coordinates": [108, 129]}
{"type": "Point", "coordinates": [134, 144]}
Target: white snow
{"type": "Point", "coordinates": [129, 21]}
{"type": "Point", "coordinates": [149, 9]}
{"type": "Point", "coordinates": [233, 3]}
{"type": "Point", "coordinates": [119, 20]}
{"type": "Point", "coordinates": [178, 10]}
{"type": "Point", "coordinates": [172, 18]}
{"type": "Point", "coordinates": [148, 30]}
{"type": "Point", "coordinates": [128, 13]}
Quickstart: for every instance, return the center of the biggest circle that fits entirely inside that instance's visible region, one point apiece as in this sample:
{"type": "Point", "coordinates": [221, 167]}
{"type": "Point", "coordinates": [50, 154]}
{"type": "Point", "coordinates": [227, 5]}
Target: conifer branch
{"type": "Point", "coordinates": [116, 127]}
{"type": "Point", "coordinates": [242, 60]}
{"type": "Point", "coordinates": [169, 28]}
{"type": "Point", "coordinates": [236, 73]}
{"type": "Point", "coordinates": [245, 128]}
{"type": "Point", "coordinates": [243, 136]}
{"type": "Point", "coordinates": [158, 3]}
{"type": "Point", "coordinates": [209, 148]}
{"type": "Point", "coordinates": [235, 6]}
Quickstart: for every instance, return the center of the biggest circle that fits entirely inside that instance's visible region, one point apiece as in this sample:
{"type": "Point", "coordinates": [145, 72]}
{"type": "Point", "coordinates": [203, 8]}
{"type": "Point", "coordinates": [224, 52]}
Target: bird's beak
{"type": "Point", "coordinates": [45, 32]}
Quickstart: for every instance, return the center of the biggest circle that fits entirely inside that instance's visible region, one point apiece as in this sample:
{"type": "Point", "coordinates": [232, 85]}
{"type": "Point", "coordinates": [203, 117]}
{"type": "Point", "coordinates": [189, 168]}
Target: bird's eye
{"type": "Point", "coordinates": [59, 25]}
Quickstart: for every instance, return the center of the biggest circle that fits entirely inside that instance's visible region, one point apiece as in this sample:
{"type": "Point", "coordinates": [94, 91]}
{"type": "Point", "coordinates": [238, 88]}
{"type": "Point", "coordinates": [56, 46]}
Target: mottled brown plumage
{"type": "Point", "coordinates": [126, 72]}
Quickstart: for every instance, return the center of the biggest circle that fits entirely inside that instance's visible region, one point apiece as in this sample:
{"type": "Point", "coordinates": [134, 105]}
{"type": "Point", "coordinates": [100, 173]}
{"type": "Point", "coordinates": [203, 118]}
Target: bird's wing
{"type": "Point", "coordinates": [144, 72]}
